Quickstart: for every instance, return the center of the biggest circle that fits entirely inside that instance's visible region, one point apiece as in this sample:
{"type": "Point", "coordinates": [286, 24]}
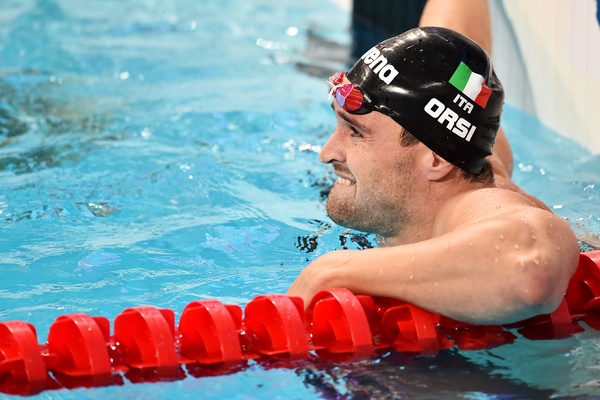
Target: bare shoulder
{"type": "Point", "coordinates": [504, 202]}
{"type": "Point", "coordinates": [532, 231]}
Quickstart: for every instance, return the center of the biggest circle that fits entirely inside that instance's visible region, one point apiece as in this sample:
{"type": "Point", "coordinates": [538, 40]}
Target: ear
{"type": "Point", "coordinates": [436, 168]}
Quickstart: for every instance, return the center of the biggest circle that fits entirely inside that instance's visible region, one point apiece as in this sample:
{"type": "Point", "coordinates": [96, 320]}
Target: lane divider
{"type": "Point", "coordinates": [214, 338]}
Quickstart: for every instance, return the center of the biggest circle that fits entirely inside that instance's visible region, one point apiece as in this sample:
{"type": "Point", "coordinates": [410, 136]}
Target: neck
{"type": "Point", "coordinates": [408, 236]}
{"type": "Point", "coordinates": [423, 219]}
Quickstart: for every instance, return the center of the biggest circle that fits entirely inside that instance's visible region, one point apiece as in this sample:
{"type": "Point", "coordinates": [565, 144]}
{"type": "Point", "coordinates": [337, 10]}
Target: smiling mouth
{"type": "Point", "coordinates": [344, 181]}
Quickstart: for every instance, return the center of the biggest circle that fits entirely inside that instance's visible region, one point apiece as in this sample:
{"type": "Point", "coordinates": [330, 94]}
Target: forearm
{"type": "Point", "coordinates": [476, 290]}
{"type": "Point", "coordinates": [462, 276]}
{"type": "Point", "coordinates": [469, 17]}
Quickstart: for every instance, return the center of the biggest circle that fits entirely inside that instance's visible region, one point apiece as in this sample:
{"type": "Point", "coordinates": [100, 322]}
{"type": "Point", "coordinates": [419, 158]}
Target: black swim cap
{"type": "Point", "coordinates": [441, 87]}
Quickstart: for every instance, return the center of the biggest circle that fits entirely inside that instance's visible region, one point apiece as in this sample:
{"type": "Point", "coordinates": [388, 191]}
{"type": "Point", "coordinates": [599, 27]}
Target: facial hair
{"type": "Point", "coordinates": [381, 208]}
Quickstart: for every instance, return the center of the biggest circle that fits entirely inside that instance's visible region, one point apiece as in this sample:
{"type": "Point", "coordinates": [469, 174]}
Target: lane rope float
{"type": "Point", "coordinates": [214, 338]}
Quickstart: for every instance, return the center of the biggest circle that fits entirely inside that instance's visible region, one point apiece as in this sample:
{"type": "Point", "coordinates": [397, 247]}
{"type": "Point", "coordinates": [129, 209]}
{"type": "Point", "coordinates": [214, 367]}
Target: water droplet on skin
{"type": "Point", "coordinates": [502, 237]}
{"type": "Point", "coordinates": [410, 277]}
{"type": "Point", "coordinates": [497, 247]}
{"type": "Point", "coordinates": [517, 247]}
{"type": "Point", "coordinates": [536, 261]}
{"type": "Point", "coordinates": [496, 260]}
{"type": "Point", "coordinates": [533, 237]}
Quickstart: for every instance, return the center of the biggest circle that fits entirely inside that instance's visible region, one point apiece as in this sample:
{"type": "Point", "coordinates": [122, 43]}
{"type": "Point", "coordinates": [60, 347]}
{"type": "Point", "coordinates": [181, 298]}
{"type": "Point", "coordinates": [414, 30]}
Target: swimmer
{"type": "Point", "coordinates": [422, 162]}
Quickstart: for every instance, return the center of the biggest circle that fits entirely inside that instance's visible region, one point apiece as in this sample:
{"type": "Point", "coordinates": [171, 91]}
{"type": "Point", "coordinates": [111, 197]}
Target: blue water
{"type": "Point", "coordinates": [160, 152]}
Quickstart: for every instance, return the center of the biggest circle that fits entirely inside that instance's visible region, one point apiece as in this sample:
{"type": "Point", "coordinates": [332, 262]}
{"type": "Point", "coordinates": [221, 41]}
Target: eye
{"type": "Point", "coordinates": [355, 132]}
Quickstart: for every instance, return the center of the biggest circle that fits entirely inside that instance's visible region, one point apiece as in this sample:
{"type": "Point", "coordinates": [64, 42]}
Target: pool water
{"type": "Point", "coordinates": [160, 152]}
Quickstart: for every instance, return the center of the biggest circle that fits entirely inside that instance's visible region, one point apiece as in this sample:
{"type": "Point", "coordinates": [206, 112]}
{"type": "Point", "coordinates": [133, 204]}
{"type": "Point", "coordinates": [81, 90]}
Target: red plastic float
{"type": "Point", "coordinates": [77, 350]}
{"type": "Point", "coordinates": [413, 330]}
{"type": "Point", "coordinates": [209, 332]}
{"type": "Point", "coordinates": [275, 324]}
{"type": "Point", "coordinates": [337, 322]}
{"type": "Point", "coordinates": [144, 338]}
{"type": "Point", "coordinates": [583, 293]}
{"type": "Point", "coordinates": [22, 369]}
{"type": "Point", "coordinates": [146, 345]}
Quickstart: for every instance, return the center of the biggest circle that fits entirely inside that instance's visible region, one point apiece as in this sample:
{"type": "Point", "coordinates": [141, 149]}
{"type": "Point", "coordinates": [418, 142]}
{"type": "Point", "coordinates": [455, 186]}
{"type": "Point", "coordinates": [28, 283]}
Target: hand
{"type": "Point", "coordinates": [326, 272]}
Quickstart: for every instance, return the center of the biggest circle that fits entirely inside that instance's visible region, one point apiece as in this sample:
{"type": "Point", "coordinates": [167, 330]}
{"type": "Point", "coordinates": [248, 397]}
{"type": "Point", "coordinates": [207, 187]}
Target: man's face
{"type": "Point", "coordinates": [375, 173]}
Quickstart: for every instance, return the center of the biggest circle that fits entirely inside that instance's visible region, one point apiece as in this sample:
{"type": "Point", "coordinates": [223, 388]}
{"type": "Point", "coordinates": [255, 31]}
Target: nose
{"type": "Point", "coordinates": [333, 149]}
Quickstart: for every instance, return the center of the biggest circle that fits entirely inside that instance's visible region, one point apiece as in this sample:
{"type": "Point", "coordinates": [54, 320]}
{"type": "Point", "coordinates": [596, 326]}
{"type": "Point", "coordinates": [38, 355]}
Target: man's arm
{"type": "Point", "coordinates": [469, 17]}
{"type": "Point", "coordinates": [500, 269]}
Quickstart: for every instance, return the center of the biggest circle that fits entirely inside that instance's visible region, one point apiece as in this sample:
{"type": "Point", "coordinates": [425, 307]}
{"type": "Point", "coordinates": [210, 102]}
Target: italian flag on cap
{"type": "Point", "coordinates": [471, 84]}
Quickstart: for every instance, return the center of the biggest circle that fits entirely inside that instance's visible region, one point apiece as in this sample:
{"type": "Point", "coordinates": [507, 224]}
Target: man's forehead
{"type": "Point", "coordinates": [355, 120]}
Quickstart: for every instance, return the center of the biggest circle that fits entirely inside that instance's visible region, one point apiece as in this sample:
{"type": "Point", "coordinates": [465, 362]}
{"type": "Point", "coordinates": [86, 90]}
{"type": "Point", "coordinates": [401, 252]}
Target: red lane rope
{"type": "Point", "coordinates": [211, 337]}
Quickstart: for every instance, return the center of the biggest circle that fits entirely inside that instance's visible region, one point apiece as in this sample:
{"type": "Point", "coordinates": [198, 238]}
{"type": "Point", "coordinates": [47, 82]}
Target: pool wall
{"type": "Point", "coordinates": [547, 53]}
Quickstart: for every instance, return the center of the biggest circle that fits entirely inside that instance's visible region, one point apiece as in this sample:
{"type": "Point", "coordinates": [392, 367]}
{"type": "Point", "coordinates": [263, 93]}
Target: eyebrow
{"type": "Point", "coordinates": [350, 120]}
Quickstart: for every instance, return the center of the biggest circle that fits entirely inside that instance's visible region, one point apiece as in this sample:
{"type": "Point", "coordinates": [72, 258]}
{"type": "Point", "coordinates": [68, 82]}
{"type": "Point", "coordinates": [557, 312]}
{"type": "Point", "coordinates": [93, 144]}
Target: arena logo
{"type": "Point", "coordinates": [448, 117]}
{"type": "Point", "coordinates": [380, 65]}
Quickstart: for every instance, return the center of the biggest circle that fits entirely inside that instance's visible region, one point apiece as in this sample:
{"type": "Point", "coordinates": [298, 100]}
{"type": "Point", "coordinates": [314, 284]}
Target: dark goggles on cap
{"type": "Point", "coordinates": [352, 98]}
